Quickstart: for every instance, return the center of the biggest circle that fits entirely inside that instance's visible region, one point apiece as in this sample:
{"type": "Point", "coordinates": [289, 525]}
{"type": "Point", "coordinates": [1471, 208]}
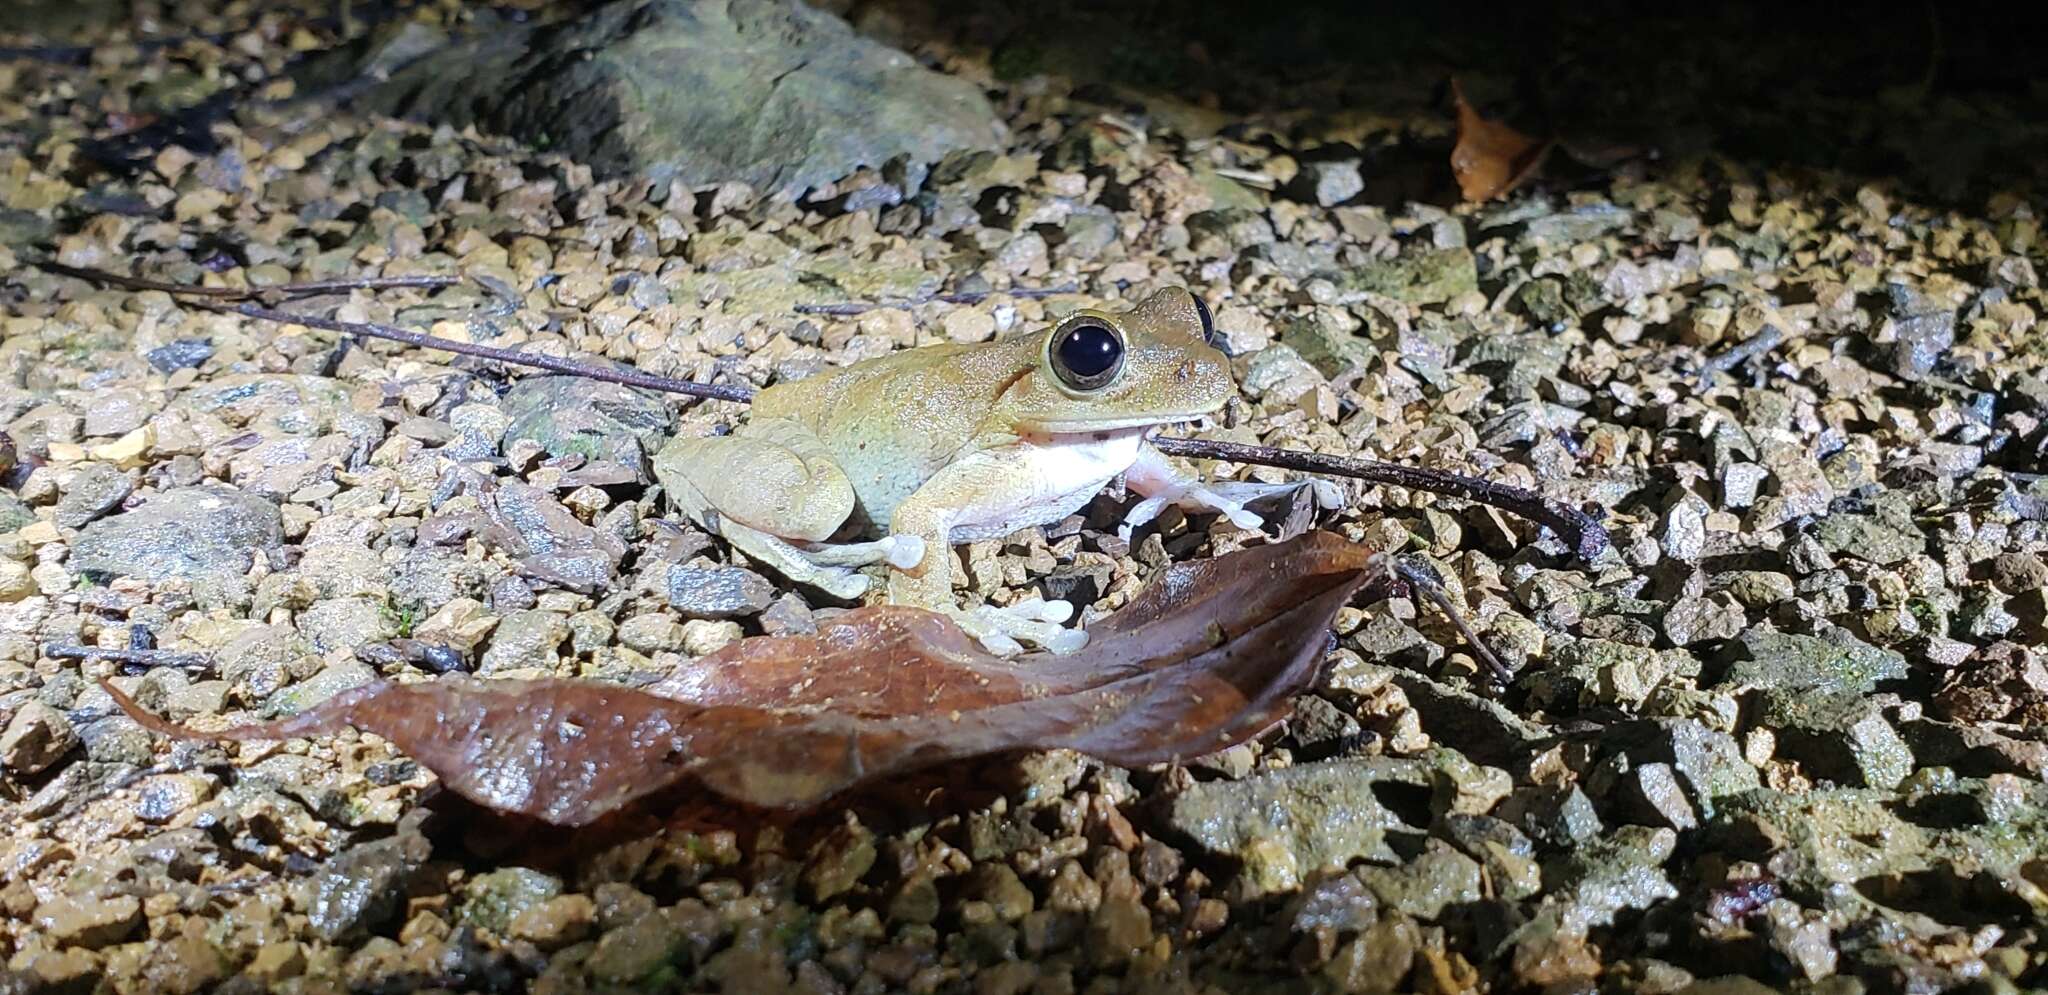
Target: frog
{"type": "Point", "coordinates": [896, 458]}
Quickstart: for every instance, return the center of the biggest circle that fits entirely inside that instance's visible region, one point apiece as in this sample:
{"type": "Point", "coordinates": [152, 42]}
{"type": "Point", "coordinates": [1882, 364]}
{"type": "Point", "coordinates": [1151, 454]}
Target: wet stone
{"type": "Point", "coordinates": [1416, 276]}
{"type": "Point", "coordinates": [179, 355]}
{"type": "Point", "coordinates": [636, 950]}
{"type": "Point", "coordinates": [1869, 538]}
{"type": "Point", "coordinates": [1784, 661]}
{"type": "Point", "coordinates": [1427, 885]}
{"type": "Point", "coordinates": [494, 899]}
{"type": "Point", "coordinates": [35, 738]}
{"type": "Point", "coordinates": [597, 420]}
{"type": "Point", "coordinates": [1691, 621]}
{"type": "Point", "coordinates": [359, 889]}
{"type": "Point", "coordinates": [1330, 183]}
{"type": "Point", "coordinates": [1926, 330]}
{"type": "Point", "coordinates": [189, 533]}
{"type": "Point", "coordinates": [1558, 816]}
{"type": "Point", "coordinates": [718, 592]}
{"type": "Point", "coordinates": [1842, 736]}
{"type": "Point", "coordinates": [524, 639]}
{"type": "Point", "coordinates": [1291, 822]}
{"type": "Point", "coordinates": [89, 921]}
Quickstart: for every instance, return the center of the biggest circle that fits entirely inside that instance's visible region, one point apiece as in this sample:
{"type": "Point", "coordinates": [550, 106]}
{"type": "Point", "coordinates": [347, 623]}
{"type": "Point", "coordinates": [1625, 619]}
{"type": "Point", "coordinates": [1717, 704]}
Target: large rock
{"type": "Point", "coordinates": [601, 421]}
{"type": "Point", "coordinates": [769, 92]}
{"type": "Point", "coordinates": [192, 533]}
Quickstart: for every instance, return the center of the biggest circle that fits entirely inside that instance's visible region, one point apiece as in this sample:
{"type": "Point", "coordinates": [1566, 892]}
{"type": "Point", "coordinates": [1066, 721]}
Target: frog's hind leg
{"type": "Point", "coordinates": [773, 492]}
{"type": "Point", "coordinates": [813, 567]}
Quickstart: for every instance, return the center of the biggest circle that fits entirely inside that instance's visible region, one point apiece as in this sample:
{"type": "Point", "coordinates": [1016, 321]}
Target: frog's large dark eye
{"type": "Point", "coordinates": [1208, 322]}
{"type": "Point", "coordinates": [1087, 353]}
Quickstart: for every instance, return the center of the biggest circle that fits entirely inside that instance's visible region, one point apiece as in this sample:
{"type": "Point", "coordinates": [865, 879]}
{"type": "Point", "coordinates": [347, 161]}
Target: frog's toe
{"type": "Point", "coordinates": [1006, 631]}
{"type": "Point", "coordinates": [1056, 612]}
{"type": "Point", "coordinates": [904, 551]}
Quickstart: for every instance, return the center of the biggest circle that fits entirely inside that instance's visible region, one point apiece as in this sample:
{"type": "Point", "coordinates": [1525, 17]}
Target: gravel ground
{"type": "Point", "coordinates": [1788, 734]}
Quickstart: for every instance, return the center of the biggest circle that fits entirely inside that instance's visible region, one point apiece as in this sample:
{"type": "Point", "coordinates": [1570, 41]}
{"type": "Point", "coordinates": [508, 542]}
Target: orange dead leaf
{"type": "Point", "coordinates": [1208, 656]}
{"type": "Point", "coordinates": [1491, 158]}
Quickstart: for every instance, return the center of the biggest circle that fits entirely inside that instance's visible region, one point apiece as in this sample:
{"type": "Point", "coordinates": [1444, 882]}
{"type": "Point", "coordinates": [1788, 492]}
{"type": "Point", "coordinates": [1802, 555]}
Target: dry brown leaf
{"type": "Point", "coordinates": [1206, 657]}
{"type": "Point", "coordinates": [1491, 158]}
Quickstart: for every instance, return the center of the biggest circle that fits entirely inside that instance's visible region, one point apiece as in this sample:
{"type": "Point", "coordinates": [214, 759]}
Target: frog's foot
{"type": "Point", "coordinates": [1033, 621]}
{"type": "Point", "coordinates": [830, 569]}
{"type": "Point", "coordinates": [900, 551]}
{"type": "Point", "coordinates": [1152, 476]}
{"type": "Point", "coordinates": [1191, 495]}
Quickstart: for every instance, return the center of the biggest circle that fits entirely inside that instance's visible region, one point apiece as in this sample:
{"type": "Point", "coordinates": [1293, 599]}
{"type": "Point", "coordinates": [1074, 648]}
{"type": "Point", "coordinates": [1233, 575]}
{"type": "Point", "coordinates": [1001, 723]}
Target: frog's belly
{"type": "Point", "coordinates": [1041, 480]}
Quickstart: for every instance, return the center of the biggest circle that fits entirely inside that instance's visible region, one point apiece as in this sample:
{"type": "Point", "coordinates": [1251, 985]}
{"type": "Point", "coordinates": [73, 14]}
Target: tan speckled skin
{"type": "Point", "coordinates": [929, 438]}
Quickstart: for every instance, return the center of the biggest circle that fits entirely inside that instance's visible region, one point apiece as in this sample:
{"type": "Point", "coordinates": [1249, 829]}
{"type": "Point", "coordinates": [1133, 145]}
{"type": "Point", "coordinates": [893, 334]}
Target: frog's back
{"type": "Point", "coordinates": [893, 421]}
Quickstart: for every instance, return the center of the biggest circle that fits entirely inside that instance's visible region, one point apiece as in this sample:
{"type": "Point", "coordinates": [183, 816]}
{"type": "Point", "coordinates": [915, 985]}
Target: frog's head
{"type": "Point", "coordinates": [1096, 371]}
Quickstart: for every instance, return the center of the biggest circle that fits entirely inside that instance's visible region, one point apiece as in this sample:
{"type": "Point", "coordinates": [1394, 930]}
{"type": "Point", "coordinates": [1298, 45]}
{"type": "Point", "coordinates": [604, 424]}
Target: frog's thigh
{"type": "Point", "coordinates": [773, 476]}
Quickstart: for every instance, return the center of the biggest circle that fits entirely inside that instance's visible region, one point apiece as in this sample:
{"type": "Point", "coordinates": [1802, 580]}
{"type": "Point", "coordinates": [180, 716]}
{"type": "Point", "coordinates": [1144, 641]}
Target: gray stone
{"type": "Point", "coordinates": [493, 899]}
{"type": "Point", "coordinates": [1331, 182]}
{"type": "Point", "coordinates": [1683, 534]}
{"type": "Point", "coordinates": [1659, 799]}
{"type": "Point", "coordinates": [1088, 232]}
{"type": "Point", "coordinates": [88, 921]}
{"type": "Point", "coordinates": [342, 624]}
{"type": "Point", "coordinates": [1841, 736]}
{"type": "Point", "coordinates": [1869, 538]}
{"type": "Point", "coordinates": [524, 639]}
{"type": "Point", "coordinates": [1926, 330]}
{"type": "Point", "coordinates": [1560, 816]}
{"type": "Point", "coordinates": [1767, 658]}
{"type": "Point", "coordinates": [116, 412]}
{"type": "Point", "coordinates": [35, 738]}
{"type": "Point", "coordinates": [192, 533]}
{"type": "Point", "coordinates": [1620, 870]}
{"type": "Point", "coordinates": [718, 592]}
{"type": "Point", "coordinates": [1708, 762]}
{"type": "Point", "coordinates": [779, 95]}
{"type": "Point", "coordinates": [14, 512]}
{"type": "Point", "coordinates": [179, 355]}
{"type": "Point", "coordinates": [1330, 350]}
{"type": "Point", "coordinates": [1416, 276]}
{"type": "Point", "coordinates": [1441, 877]}
{"type": "Point", "coordinates": [330, 681]}
{"type": "Point", "coordinates": [1285, 825]}
{"type": "Point", "coordinates": [600, 421]}
{"type": "Point", "coordinates": [1690, 621]}
{"type": "Point", "coordinates": [362, 887]}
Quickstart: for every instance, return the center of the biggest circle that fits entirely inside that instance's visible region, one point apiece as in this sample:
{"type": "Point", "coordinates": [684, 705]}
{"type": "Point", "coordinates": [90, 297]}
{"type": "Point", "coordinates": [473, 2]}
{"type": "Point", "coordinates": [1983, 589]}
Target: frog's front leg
{"type": "Point", "coordinates": [1154, 478]}
{"type": "Point", "coordinates": [987, 495]}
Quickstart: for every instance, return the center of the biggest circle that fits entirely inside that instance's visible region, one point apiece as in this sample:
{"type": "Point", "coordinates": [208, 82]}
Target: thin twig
{"type": "Point", "coordinates": [1433, 589]}
{"type": "Point", "coordinates": [973, 297]}
{"type": "Point", "coordinates": [628, 376]}
{"type": "Point", "coordinates": [245, 293]}
{"type": "Point", "coordinates": [1587, 537]}
{"type": "Point", "coordinates": [1766, 339]}
{"type": "Point", "coordinates": [131, 657]}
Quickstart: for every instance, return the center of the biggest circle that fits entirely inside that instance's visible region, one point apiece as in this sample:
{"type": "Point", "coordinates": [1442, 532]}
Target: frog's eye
{"type": "Point", "coordinates": [1087, 353]}
{"type": "Point", "coordinates": [1208, 322]}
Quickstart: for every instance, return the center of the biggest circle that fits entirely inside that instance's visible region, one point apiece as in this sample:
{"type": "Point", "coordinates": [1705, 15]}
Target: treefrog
{"type": "Point", "coordinates": [955, 443]}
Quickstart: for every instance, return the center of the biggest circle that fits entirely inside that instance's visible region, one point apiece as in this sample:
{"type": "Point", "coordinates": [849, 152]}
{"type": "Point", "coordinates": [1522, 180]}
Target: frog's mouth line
{"type": "Point", "coordinates": [1149, 423]}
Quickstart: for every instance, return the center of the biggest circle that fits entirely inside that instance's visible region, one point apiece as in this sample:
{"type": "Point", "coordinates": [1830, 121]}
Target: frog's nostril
{"type": "Point", "coordinates": [1185, 371]}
